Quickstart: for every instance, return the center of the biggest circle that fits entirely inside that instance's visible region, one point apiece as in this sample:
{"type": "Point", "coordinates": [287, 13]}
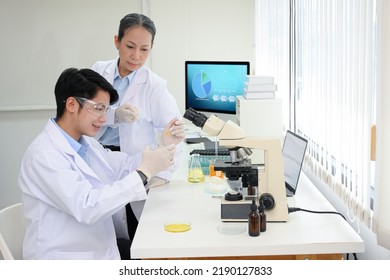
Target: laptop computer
{"type": "Point", "coordinates": [293, 151]}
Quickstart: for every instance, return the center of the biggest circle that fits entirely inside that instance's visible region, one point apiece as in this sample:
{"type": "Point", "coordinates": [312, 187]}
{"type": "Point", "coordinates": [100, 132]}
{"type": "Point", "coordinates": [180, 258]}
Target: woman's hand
{"type": "Point", "coordinates": [173, 132]}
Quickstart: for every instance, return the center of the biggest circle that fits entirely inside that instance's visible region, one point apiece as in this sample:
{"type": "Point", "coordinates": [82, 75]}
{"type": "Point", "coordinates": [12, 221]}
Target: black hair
{"type": "Point", "coordinates": [80, 83]}
{"type": "Point", "coordinates": [134, 20]}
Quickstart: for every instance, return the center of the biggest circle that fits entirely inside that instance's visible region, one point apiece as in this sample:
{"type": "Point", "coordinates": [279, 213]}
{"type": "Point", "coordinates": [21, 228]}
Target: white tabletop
{"type": "Point", "coordinates": [303, 233]}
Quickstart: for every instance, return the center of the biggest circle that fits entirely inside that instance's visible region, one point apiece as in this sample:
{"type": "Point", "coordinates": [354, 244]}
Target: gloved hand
{"type": "Point", "coordinates": [126, 113]}
{"type": "Point", "coordinates": [154, 161]}
{"type": "Point", "coordinates": [173, 132]}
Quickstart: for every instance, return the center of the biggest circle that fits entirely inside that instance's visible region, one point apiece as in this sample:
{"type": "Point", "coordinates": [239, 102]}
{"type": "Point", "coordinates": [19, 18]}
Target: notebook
{"type": "Point", "coordinates": [293, 151]}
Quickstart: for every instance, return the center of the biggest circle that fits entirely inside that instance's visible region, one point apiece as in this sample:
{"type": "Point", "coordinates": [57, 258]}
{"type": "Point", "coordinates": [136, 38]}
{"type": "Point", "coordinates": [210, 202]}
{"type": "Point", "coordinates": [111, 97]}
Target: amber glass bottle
{"type": "Point", "coordinates": [254, 220]}
{"type": "Point", "coordinates": [263, 217]}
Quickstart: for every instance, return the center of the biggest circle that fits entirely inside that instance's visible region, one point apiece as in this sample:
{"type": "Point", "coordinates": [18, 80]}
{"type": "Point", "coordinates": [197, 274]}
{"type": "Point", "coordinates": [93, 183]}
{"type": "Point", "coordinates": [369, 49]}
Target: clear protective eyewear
{"type": "Point", "coordinates": [97, 109]}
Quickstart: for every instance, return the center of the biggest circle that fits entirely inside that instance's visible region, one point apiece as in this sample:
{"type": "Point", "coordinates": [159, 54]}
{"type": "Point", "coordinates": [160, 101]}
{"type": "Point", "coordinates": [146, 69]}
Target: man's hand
{"type": "Point", "coordinates": [154, 161]}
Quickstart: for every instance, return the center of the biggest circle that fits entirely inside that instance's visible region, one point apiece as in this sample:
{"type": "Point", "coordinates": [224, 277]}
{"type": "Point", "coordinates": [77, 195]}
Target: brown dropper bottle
{"type": "Point", "coordinates": [254, 220]}
{"type": "Point", "coordinates": [263, 217]}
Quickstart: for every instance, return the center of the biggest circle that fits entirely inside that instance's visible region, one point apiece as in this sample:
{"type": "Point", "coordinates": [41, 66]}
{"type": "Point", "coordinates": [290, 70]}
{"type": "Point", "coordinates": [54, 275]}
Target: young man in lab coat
{"type": "Point", "coordinates": [72, 187]}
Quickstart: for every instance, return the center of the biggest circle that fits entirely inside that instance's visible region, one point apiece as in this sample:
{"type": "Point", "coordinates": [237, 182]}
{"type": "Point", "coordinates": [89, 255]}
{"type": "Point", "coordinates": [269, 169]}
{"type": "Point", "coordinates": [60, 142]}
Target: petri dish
{"type": "Point", "coordinates": [231, 229]}
{"type": "Point", "coordinates": [216, 185]}
{"type": "Point", "coordinates": [177, 226]}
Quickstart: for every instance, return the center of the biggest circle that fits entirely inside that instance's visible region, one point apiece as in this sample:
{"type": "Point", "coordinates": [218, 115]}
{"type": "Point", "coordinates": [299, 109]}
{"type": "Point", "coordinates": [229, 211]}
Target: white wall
{"type": "Point", "coordinates": [42, 38]}
{"type": "Point", "coordinates": [200, 30]}
{"type": "Point", "coordinates": [382, 179]}
{"type": "Point", "coordinates": [17, 129]}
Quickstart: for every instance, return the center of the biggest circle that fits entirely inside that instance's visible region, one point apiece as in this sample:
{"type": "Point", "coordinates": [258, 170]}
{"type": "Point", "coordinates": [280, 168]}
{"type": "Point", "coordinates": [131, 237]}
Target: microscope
{"type": "Point", "coordinates": [269, 177]}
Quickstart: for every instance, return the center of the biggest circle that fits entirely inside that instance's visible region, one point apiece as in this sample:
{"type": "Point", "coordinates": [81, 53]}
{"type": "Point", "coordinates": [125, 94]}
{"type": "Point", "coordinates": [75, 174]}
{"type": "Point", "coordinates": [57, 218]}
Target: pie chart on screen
{"type": "Point", "coordinates": [201, 85]}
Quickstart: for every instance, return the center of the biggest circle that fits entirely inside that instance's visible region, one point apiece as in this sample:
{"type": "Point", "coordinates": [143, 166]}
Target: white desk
{"type": "Point", "coordinates": [304, 235]}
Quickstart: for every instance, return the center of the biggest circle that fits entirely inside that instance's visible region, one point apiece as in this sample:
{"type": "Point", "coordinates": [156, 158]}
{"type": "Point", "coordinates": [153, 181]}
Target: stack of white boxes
{"type": "Point", "coordinates": [259, 87]}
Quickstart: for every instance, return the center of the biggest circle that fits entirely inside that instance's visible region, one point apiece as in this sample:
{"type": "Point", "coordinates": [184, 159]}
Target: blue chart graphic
{"type": "Point", "coordinates": [201, 85]}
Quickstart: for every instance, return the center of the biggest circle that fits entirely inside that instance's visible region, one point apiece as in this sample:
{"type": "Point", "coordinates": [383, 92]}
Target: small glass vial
{"type": "Point", "coordinates": [244, 182]}
{"type": "Point", "coordinates": [252, 189]}
{"type": "Point", "coordinates": [254, 220]}
{"type": "Point", "coordinates": [263, 217]}
{"type": "Point", "coordinates": [212, 172]}
{"type": "Point", "coordinates": [195, 173]}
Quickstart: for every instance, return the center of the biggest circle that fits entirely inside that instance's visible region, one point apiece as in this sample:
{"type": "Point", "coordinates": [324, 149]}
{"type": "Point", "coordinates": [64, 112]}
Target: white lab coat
{"type": "Point", "coordinates": [156, 106]}
{"type": "Point", "coordinates": [68, 204]}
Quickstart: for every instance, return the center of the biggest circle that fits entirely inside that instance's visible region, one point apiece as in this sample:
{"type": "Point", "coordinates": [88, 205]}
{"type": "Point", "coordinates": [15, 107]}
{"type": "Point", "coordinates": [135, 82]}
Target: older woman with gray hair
{"type": "Point", "coordinates": [146, 113]}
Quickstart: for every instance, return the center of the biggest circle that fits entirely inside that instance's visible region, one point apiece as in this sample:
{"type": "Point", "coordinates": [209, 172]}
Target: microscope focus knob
{"type": "Point", "coordinates": [268, 201]}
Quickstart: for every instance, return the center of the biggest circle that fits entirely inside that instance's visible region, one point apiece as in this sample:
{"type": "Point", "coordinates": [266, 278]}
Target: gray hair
{"type": "Point", "coordinates": [134, 20]}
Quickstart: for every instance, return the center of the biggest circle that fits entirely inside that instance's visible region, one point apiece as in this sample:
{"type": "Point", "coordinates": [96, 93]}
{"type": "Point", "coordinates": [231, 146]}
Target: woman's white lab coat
{"type": "Point", "coordinates": [68, 204]}
{"type": "Point", "coordinates": [149, 93]}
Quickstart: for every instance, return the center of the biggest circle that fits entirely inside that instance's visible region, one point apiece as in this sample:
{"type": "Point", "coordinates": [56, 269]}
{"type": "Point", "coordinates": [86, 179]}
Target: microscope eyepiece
{"type": "Point", "coordinates": [195, 117]}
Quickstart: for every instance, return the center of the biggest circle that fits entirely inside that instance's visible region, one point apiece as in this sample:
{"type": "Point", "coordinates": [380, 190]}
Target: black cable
{"type": "Point", "coordinates": [296, 209]}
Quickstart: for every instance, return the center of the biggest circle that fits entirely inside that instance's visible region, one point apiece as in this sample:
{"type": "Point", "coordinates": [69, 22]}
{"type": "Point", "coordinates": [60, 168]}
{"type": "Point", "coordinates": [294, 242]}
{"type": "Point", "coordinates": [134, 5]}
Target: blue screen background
{"type": "Point", "coordinates": [214, 87]}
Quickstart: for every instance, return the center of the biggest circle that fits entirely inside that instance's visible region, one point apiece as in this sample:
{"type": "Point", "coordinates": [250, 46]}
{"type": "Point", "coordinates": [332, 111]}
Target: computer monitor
{"type": "Point", "coordinates": [212, 86]}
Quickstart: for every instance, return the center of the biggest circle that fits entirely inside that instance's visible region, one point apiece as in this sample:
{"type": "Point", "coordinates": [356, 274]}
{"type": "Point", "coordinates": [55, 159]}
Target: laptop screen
{"type": "Point", "coordinates": [293, 151]}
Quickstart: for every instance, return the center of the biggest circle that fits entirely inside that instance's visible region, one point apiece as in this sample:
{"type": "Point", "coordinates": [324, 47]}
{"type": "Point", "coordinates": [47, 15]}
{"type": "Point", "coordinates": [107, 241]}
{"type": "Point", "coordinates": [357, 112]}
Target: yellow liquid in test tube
{"type": "Point", "coordinates": [195, 175]}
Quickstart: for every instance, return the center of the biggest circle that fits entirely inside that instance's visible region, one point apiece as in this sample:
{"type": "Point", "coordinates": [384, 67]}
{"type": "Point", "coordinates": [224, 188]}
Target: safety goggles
{"type": "Point", "coordinates": [97, 109]}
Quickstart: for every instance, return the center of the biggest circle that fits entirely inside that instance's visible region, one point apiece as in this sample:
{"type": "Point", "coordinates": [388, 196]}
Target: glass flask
{"type": "Point", "coordinates": [195, 173]}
